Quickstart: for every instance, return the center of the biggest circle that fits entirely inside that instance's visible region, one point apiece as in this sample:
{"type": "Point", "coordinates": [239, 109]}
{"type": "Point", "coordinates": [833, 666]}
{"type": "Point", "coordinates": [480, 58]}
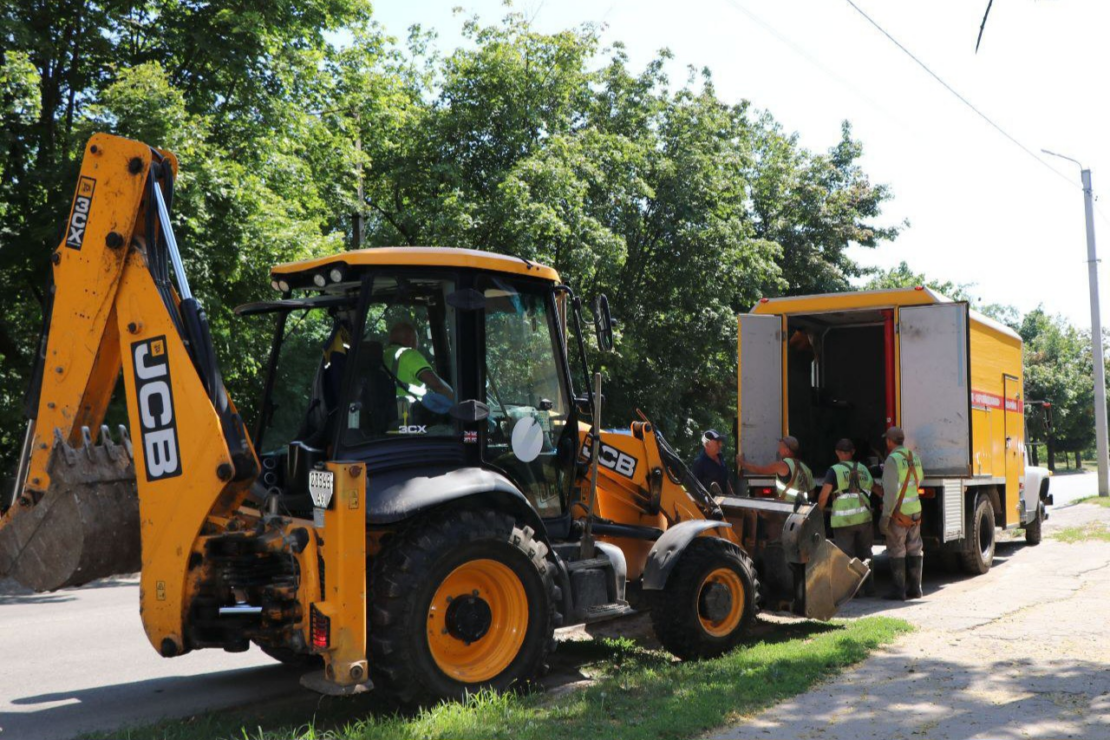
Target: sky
{"type": "Point", "coordinates": [981, 211]}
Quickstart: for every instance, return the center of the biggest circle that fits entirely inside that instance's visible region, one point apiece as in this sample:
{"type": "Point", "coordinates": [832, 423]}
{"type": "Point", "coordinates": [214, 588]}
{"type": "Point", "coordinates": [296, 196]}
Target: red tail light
{"type": "Point", "coordinates": [321, 630]}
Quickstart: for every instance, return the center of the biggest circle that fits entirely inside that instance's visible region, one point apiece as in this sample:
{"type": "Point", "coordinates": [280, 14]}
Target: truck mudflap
{"type": "Point", "coordinates": [85, 525]}
{"type": "Point", "coordinates": [800, 570]}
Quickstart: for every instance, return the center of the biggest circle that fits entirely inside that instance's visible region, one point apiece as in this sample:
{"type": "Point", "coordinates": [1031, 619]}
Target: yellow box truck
{"type": "Point", "coordinates": [823, 367]}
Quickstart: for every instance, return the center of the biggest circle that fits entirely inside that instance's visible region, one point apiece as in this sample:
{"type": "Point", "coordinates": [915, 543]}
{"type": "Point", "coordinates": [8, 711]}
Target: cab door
{"type": "Point", "coordinates": [759, 386]}
{"type": "Point", "coordinates": [935, 382]}
{"type": "Point", "coordinates": [1014, 410]}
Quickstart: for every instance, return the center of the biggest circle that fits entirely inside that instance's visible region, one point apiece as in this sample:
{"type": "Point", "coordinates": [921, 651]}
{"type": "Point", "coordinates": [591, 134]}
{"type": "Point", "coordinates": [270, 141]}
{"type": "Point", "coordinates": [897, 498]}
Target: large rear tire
{"type": "Point", "coordinates": [462, 601]}
{"type": "Point", "coordinates": [709, 601]}
{"type": "Point", "coordinates": [978, 554]}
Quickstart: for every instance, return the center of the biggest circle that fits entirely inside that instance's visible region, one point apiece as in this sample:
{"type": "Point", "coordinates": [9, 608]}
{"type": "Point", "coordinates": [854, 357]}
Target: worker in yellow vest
{"type": "Point", "coordinates": [849, 484]}
{"type": "Point", "coordinates": [793, 477]}
{"type": "Point", "coordinates": [901, 520]}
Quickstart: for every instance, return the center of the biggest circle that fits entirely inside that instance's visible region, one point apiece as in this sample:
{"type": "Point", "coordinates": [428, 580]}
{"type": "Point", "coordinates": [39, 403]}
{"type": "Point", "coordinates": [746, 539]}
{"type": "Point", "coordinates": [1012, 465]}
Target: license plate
{"type": "Point", "coordinates": [321, 485]}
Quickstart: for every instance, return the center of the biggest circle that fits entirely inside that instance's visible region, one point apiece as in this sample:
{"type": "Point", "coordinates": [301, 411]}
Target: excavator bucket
{"type": "Point", "coordinates": [802, 571]}
{"type": "Point", "coordinates": [84, 526]}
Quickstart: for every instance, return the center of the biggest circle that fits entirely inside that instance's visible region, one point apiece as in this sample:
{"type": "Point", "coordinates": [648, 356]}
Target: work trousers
{"type": "Point", "coordinates": [902, 541]}
{"type": "Point", "coordinates": [855, 541]}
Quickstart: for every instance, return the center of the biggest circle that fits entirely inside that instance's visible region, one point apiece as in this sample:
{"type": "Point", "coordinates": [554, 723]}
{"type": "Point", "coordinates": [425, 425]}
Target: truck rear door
{"type": "Point", "coordinates": [935, 373]}
{"type": "Point", "coordinates": [759, 386]}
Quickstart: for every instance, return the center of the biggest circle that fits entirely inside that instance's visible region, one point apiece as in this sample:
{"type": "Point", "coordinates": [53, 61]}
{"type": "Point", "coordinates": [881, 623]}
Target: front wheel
{"type": "Point", "coordinates": [463, 601]}
{"type": "Point", "coordinates": [1033, 529]}
{"type": "Point", "coordinates": [709, 601]}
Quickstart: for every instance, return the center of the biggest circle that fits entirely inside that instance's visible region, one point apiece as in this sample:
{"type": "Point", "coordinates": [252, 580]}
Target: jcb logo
{"type": "Point", "coordinates": [156, 415]}
{"type": "Point", "coordinates": [613, 459]}
{"type": "Point", "coordinates": [79, 219]}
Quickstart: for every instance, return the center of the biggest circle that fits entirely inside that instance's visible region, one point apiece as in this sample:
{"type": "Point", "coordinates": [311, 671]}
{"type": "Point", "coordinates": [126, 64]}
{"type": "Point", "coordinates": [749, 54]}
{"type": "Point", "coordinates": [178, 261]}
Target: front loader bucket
{"type": "Point", "coordinates": [829, 580]}
{"type": "Point", "coordinates": [799, 569]}
{"type": "Point", "coordinates": [85, 525]}
{"type": "Point", "coordinates": [824, 577]}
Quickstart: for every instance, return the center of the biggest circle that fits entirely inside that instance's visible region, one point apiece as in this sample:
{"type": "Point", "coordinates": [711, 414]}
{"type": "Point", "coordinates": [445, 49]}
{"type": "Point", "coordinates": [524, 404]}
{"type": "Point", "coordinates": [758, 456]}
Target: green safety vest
{"type": "Point", "coordinates": [851, 507]}
{"type": "Point", "coordinates": [406, 364]}
{"type": "Point", "coordinates": [800, 481]}
{"type": "Point", "coordinates": [902, 457]}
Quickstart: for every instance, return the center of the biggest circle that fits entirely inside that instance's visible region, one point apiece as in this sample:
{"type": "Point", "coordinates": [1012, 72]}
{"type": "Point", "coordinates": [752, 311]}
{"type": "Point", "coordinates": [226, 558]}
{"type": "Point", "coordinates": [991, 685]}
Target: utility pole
{"type": "Point", "coordinates": [1096, 340]}
{"type": "Point", "coordinates": [1098, 360]}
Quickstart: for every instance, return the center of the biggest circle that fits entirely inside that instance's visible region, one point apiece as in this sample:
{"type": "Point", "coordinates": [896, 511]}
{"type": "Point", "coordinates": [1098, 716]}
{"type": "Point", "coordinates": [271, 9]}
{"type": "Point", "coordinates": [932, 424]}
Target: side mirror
{"type": "Point", "coordinates": [603, 324]}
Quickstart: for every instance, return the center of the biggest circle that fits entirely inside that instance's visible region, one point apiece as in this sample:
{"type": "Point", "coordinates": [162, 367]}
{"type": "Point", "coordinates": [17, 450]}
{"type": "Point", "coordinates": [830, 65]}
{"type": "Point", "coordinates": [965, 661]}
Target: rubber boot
{"type": "Point", "coordinates": [897, 590]}
{"type": "Point", "coordinates": [914, 563]}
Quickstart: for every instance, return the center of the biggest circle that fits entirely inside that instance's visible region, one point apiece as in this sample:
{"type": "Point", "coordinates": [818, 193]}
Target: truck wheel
{"type": "Point", "coordinates": [978, 554]}
{"type": "Point", "coordinates": [462, 601]}
{"type": "Point", "coordinates": [709, 601]}
{"type": "Point", "coordinates": [1033, 529]}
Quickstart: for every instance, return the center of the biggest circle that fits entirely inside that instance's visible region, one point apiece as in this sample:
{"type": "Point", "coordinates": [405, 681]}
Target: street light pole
{"type": "Point", "coordinates": [1097, 358]}
{"type": "Point", "coordinates": [1096, 339]}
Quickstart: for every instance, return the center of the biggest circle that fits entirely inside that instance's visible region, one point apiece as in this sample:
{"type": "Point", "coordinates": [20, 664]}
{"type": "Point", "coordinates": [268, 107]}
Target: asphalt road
{"type": "Point", "coordinates": [78, 660]}
{"type": "Point", "coordinates": [1021, 652]}
{"type": "Point", "coordinates": [1068, 487]}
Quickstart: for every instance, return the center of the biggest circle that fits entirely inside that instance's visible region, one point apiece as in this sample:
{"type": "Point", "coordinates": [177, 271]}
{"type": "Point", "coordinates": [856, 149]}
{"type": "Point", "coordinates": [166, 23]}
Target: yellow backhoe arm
{"type": "Point", "coordinates": [75, 516]}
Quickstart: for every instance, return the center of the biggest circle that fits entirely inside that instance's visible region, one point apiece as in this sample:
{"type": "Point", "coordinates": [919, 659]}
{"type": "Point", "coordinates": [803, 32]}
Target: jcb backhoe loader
{"type": "Point", "coordinates": [423, 499]}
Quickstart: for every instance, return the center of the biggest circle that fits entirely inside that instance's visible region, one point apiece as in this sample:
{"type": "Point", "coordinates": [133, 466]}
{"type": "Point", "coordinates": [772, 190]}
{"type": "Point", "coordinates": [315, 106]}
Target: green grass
{"type": "Point", "coordinates": [1103, 501]}
{"type": "Point", "coordinates": [1089, 532]}
{"type": "Point", "coordinates": [638, 693]}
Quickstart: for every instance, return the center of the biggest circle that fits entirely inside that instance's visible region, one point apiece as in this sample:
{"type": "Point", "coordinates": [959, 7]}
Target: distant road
{"type": "Point", "coordinates": [1070, 487]}
{"type": "Point", "coordinates": [78, 660]}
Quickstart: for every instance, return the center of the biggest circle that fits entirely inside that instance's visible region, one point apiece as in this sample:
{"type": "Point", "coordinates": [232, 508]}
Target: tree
{"type": "Point", "coordinates": [1057, 359]}
{"type": "Point", "coordinates": [683, 208]}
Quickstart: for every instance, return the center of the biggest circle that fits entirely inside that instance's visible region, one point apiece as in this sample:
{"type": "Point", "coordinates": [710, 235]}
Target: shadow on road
{"type": "Point", "coordinates": [13, 593]}
{"type": "Point", "coordinates": [999, 698]}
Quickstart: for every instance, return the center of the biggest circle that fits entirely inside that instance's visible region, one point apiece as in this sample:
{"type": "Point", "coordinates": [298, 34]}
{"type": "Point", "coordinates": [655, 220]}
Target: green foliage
{"type": "Point", "coordinates": [903, 277]}
{"type": "Point", "coordinates": [1058, 370]}
{"type": "Point", "coordinates": [682, 208]}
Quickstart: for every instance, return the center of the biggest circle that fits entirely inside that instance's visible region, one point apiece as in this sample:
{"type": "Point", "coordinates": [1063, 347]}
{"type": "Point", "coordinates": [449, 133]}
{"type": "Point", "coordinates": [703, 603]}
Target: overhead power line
{"type": "Point", "coordinates": [961, 98]}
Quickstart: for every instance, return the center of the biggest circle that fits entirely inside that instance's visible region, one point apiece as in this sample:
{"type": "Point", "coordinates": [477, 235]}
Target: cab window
{"type": "Point", "coordinates": [525, 391]}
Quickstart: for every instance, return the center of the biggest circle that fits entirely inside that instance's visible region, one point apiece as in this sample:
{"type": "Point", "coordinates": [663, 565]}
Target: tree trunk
{"type": "Point", "coordinates": [1032, 452]}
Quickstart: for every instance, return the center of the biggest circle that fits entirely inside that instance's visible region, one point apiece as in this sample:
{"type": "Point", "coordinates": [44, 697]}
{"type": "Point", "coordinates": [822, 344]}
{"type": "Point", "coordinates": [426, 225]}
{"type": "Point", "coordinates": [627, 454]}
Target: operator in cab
{"type": "Point", "coordinates": [414, 374]}
{"type": "Point", "coordinates": [709, 466]}
{"type": "Point", "coordinates": [793, 477]}
{"type": "Point", "coordinates": [901, 520]}
{"type": "Point", "coordinates": [849, 484]}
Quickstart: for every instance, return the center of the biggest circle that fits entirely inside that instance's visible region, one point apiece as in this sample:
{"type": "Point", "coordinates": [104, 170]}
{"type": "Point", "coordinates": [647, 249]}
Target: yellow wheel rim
{"type": "Point", "coordinates": [477, 621]}
{"type": "Point", "coordinates": [727, 578]}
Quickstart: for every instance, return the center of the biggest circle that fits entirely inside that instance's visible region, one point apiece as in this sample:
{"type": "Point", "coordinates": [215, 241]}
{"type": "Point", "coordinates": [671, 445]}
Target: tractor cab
{"type": "Point", "coordinates": [457, 364]}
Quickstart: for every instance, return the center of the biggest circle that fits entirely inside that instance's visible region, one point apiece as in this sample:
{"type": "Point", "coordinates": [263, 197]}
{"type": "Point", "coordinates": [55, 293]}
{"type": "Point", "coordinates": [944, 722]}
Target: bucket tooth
{"type": "Point", "coordinates": [86, 438]}
{"type": "Point", "coordinates": [86, 524]}
{"type": "Point", "coordinates": [125, 440]}
{"type": "Point", "coordinates": [67, 450]}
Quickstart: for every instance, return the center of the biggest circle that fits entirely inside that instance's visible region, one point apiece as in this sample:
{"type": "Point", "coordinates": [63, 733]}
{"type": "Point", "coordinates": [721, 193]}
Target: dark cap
{"type": "Point", "coordinates": [712, 435]}
{"type": "Point", "coordinates": [895, 435]}
{"type": "Point", "coordinates": [791, 443]}
{"type": "Point", "coordinates": [845, 445]}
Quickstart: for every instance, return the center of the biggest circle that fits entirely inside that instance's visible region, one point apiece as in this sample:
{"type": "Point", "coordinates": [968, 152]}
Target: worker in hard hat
{"type": "Point", "coordinates": [901, 520]}
{"type": "Point", "coordinates": [793, 477]}
{"type": "Point", "coordinates": [848, 485]}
